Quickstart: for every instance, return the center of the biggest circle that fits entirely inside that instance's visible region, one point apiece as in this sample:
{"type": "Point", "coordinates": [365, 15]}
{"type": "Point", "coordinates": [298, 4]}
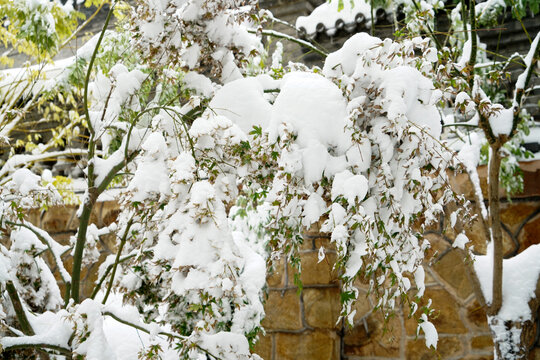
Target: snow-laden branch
{"type": "Point", "coordinates": [54, 247]}
{"type": "Point", "coordinates": [523, 81]}
{"type": "Point", "coordinates": [293, 39]}
{"type": "Point", "coordinates": [116, 315]}
{"type": "Point", "coordinates": [109, 311]}
{"type": "Point", "coordinates": [55, 336]}
{"type": "Point", "coordinates": [520, 277]}
{"type": "Point", "coordinates": [35, 342]}
{"type": "Point", "coordinates": [26, 159]}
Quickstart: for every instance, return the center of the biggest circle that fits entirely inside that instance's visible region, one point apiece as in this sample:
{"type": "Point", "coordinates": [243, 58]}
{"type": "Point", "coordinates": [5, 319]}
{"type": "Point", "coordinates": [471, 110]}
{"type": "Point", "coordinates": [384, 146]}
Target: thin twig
{"type": "Point", "coordinates": [117, 260]}
{"type": "Point", "coordinates": [300, 42]}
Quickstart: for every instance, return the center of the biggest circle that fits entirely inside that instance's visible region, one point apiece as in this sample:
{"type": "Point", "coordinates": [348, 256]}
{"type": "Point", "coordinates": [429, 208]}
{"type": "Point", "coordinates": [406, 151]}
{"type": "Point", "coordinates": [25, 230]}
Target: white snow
{"type": "Point", "coordinates": [431, 335]}
{"type": "Point", "coordinates": [465, 55]}
{"type": "Point", "coordinates": [520, 276]}
{"type": "Point", "coordinates": [520, 83]}
{"type": "Point", "coordinates": [460, 241]}
{"type": "Point", "coordinates": [242, 101]}
{"type": "Point", "coordinates": [315, 108]}
{"type": "Point", "coordinates": [351, 187]}
{"type": "Point", "coordinates": [26, 181]}
{"type": "Point", "coordinates": [314, 208]}
{"type": "Point", "coordinates": [469, 155]}
{"type": "Point", "coordinates": [51, 328]}
{"type": "Point", "coordinates": [200, 83]}
{"type": "Point", "coordinates": [501, 122]}
{"type": "Point", "coordinates": [344, 60]}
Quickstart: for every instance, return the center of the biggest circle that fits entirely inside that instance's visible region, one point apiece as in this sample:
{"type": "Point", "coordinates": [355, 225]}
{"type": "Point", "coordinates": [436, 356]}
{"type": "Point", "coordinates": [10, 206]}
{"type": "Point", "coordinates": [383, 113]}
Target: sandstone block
{"type": "Point", "coordinates": [438, 246]}
{"type": "Point", "coordinates": [476, 316]}
{"type": "Point", "coordinates": [315, 272]}
{"type": "Point", "coordinates": [108, 243]}
{"type": "Point", "coordinates": [447, 347]}
{"type": "Point", "coordinates": [109, 213]}
{"type": "Point", "coordinates": [362, 306]}
{"type": "Point", "coordinates": [530, 234]}
{"type": "Point", "coordinates": [369, 338]}
{"type": "Point", "coordinates": [451, 268]}
{"type": "Point", "coordinates": [277, 278]}
{"type": "Point", "coordinates": [307, 244]}
{"type": "Point", "coordinates": [263, 347]}
{"type": "Point", "coordinates": [283, 311]}
{"type": "Point", "coordinates": [482, 342]}
{"type": "Point", "coordinates": [73, 224]}
{"type": "Point", "coordinates": [34, 216]}
{"type": "Point", "coordinates": [95, 215]}
{"type": "Point", "coordinates": [446, 316]}
{"type": "Point", "coordinates": [325, 242]}
{"type": "Point", "coordinates": [362, 283]}
{"type": "Point", "coordinates": [63, 238]}
{"type": "Point", "coordinates": [513, 215]}
{"type": "Point", "coordinates": [322, 307]}
{"type": "Point", "coordinates": [462, 185]}
{"type": "Point", "coordinates": [535, 354]}
{"type": "Point", "coordinates": [56, 219]}
{"type": "Point", "coordinates": [312, 345]}
{"type": "Point", "coordinates": [477, 236]}
{"type": "Point", "coordinates": [314, 230]}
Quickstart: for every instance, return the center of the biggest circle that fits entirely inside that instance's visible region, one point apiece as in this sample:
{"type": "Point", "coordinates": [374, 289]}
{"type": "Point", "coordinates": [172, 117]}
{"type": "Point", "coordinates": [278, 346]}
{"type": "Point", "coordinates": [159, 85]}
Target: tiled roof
{"type": "Point", "coordinates": [327, 19]}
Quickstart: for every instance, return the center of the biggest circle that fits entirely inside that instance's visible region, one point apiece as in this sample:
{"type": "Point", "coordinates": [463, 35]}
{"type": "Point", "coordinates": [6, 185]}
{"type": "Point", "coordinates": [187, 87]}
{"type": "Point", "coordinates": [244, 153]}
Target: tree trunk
{"type": "Point", "coordinates": [514, 339]}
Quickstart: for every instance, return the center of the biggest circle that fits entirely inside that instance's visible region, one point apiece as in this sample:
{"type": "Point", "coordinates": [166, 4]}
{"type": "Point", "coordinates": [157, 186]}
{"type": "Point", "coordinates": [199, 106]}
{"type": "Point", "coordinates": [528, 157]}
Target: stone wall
{"type": "Point", "coordinates": [303, 325]}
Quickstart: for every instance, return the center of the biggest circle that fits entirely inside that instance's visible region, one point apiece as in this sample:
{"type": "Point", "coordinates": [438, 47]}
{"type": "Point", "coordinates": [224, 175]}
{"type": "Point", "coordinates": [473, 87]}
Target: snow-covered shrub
{"type": "Point", "coordinates": [221, 171]}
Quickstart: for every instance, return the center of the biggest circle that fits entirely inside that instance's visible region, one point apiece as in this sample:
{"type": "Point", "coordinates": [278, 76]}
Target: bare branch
{"type": "Point", "coordinates": [300, 42]}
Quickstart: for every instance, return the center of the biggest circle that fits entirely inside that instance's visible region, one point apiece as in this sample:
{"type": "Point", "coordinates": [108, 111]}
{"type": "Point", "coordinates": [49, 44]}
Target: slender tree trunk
{"type": "Point", "coordinates": [496, 229]}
